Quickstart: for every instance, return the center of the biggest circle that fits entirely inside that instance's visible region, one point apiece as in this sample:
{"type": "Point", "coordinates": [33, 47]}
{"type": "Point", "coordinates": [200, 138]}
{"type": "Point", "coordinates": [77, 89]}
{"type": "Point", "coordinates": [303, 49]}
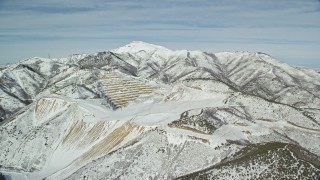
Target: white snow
{"type": "Point", "coordinates": [37, 138]}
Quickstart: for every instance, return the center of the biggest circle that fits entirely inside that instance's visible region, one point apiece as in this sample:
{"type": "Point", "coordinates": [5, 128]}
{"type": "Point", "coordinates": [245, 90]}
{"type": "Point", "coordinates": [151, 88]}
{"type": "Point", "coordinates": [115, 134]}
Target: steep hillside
{"type": "Point", "coordinates": [266, 161]}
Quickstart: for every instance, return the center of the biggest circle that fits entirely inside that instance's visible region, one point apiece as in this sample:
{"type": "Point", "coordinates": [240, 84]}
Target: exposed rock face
{"type": "Point", "coordinates": [201, 121]}
{"type": "Point", "coordinates": [145, 112]}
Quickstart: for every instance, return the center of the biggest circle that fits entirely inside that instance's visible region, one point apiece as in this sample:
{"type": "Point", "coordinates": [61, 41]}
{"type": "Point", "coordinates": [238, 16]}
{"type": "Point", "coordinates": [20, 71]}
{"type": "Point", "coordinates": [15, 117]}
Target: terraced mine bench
{"type": "Point", "coordinates": [119, 91]}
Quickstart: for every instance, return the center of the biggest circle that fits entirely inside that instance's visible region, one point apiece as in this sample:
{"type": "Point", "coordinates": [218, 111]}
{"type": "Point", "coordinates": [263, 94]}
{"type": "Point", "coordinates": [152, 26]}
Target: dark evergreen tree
{"type": "Point", "coordinates": [2, 176]}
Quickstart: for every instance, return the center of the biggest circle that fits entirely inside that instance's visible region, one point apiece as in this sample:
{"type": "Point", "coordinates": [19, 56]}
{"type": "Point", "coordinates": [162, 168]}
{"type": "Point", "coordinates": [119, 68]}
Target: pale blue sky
{"type": "Point", "coordinates": [288, 30]}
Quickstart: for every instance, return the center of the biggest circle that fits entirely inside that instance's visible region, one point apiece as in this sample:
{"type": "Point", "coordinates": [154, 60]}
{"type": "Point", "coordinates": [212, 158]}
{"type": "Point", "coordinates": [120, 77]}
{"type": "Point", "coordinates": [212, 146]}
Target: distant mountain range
{"type": "Point", "coordinates": [143, 111]}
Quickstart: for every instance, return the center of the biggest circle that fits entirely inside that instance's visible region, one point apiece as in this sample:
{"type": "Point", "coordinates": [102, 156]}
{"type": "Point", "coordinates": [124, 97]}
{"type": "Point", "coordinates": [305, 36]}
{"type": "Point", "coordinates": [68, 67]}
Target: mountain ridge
{"type": "Point", "coordinates": [144, 111]}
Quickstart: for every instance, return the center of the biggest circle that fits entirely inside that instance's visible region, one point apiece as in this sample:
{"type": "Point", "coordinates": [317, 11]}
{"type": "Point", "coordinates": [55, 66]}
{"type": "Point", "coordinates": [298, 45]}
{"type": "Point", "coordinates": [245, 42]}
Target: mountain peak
{"type": "Point", "coordinates": [137, 46]}
{"type": "Point", "coordinates": [147, 107]}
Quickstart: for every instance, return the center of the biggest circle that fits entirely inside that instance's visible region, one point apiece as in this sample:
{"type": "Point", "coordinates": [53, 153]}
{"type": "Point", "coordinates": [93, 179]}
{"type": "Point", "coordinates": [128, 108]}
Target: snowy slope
{"type": "Point", "coordinates": [205, 111]}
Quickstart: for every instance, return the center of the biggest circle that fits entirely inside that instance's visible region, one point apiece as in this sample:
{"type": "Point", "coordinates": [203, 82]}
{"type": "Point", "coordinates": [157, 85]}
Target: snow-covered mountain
{"type": "Point", "coordinates": [143, 111]}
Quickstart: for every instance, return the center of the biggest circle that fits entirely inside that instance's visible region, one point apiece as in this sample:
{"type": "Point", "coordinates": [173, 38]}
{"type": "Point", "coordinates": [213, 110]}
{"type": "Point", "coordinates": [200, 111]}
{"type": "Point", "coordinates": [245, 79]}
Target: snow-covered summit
{"type": "Point", "coordinates": [138, 46]}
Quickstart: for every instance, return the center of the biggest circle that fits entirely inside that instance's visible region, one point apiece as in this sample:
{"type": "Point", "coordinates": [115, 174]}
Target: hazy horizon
{"type": "Point", "coordinates": [288, 30]}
